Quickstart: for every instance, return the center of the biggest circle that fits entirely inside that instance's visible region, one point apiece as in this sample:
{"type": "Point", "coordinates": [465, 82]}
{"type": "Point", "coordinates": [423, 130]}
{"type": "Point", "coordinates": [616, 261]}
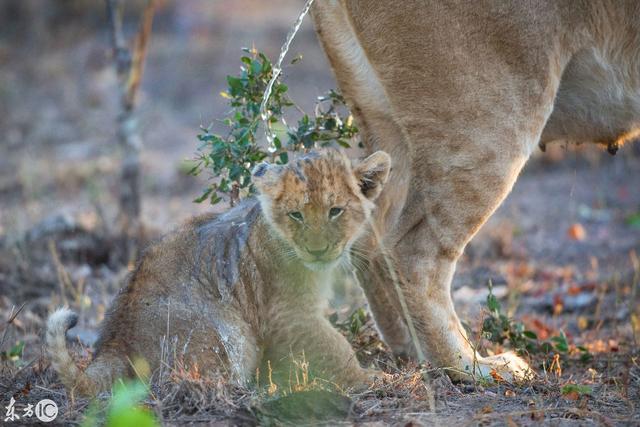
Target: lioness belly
{"type": "Point", "coordinates": [598, 99]}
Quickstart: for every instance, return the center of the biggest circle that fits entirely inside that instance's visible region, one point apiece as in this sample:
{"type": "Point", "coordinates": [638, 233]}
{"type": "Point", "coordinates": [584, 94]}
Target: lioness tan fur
{"type": "Point", "coordinates": [460, 93]}
{"type": "Point", "coordinates": [228, 294]}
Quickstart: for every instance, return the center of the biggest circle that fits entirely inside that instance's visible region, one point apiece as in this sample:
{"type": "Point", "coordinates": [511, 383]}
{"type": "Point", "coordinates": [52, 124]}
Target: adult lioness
{"type": "Point", "coordinates": [229, 293]}
{"type": "Point", "coordinates": [460, 93]}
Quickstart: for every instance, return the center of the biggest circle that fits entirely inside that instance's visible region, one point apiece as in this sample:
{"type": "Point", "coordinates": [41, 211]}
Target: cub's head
{"type": "Point", "coordinates": [319, 203]}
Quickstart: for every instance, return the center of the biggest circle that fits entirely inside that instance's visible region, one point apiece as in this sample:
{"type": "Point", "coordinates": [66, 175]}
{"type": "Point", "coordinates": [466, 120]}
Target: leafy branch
{"type": "Point", "coordinates": [231, 157]}
{"type": "Point", "coordinates": [499, 328]}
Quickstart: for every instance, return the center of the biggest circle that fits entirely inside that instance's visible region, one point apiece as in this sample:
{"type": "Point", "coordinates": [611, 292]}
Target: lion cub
{"type": "Point", "coordinates": [228, 294]}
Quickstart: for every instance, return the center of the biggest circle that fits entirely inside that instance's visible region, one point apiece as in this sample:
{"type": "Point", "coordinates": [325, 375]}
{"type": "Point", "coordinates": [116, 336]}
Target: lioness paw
{"type": "Point", "coordinates": [505, 367]}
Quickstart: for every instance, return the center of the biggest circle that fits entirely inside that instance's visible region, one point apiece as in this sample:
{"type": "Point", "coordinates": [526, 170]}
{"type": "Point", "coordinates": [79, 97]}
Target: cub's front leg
{"type": "Point", "coordinates": [309, 344]}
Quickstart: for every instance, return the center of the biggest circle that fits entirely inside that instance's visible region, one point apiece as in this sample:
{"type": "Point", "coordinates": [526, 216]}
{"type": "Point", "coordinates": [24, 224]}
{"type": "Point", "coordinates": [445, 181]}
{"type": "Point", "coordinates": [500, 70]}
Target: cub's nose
{"type": "Point", "coordinates": [318, 252]}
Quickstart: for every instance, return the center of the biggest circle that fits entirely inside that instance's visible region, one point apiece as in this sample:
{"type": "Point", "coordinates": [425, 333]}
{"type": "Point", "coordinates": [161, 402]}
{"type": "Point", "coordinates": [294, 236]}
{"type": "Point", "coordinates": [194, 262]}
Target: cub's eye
{"type": "Point", "coordinates": [335, 212]}
{"type": "Point", "coordinates": [296, 216]}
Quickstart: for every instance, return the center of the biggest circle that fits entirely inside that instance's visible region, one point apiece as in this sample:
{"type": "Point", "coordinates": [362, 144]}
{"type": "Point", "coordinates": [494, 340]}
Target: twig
{"type": "Point", "coordinates": [139, 54]}
{"type": "Point", "coordinates": [9, 322]}
{"type": "Point", "coordinates": [277, 69]}
{"type": "Point", "coordinates": [129, 67]}
{"type": "Point", "coordinates": [396, 284]}
{"type": "Point", "coordinates": [66, 286]}
{"type": "Point", "coordinates": [24, 367]}
{"type": "Point", "coordinates": [49, 390]}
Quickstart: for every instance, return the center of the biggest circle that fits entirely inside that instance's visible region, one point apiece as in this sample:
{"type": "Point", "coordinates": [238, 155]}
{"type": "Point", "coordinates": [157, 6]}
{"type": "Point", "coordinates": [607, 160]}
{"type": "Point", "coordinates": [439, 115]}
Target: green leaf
{"type": "Point", "coordinates": [577, 388]}
{"type": "Point", "coordinates": [16, 350]}
{"type": "Point", "coordinates": [127, 393]}
{"type": "Point", "coordinates": [530, 334]}
{"type": "Point", "coordinates": [256, 67]}
{"type": "Point", "coordinates": [560, 343]}
{"type": "Point", "coordinates": [234, 173]}
{"type": "Point", "coordinates": [545, 347]}
{"type": "Point", "coordinates": [277, 143]}
{"type": "Point", "coordinates": [124, 409]}
{"type": "Point", "coordinates": [343, 143]}
{"type": "Point", "coordinates": [634, 220]}
{"type": "Point", "coordinates": [14, 354]}
{"type": "Point", "coordinates": [138, 417]}
{"type": "Point", "coordinates": [204, 195]}
{"type": "Point", "coordinates": [223, 185]}
{"type": "Point", "coordinates": [235, 85]}
{"type": "Point", "coordinates": [283, 157]}
{"type": "Point", "coordinates": [357, 320]}
{"type": "Point", "coordinates": [585, 355]}
{"type": "Point", "coordinates": [492, 303]}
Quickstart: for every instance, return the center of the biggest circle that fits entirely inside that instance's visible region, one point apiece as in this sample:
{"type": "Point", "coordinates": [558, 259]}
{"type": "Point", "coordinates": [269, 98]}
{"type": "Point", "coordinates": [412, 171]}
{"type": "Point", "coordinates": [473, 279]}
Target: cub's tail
{"type": "Point", "coordinates": [91, 381]}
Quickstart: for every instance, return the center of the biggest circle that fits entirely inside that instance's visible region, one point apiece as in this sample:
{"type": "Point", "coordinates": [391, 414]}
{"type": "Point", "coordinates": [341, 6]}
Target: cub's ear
{"type": "Point", "coordinates": [372, 173]}
{"type": "Point", "coordinates": [264, 176]}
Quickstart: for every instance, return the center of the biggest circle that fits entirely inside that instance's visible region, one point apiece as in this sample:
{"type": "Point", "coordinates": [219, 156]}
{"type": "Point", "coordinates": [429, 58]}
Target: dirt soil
{"type": "Point", "coordinates": [562, 253]}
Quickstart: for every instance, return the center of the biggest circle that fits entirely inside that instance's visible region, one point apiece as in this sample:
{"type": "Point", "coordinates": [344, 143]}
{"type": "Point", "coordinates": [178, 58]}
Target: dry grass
{"type": "Point", "coordinates": [67, 261]}
{"type": "Point", "coordinates": [407, 394]}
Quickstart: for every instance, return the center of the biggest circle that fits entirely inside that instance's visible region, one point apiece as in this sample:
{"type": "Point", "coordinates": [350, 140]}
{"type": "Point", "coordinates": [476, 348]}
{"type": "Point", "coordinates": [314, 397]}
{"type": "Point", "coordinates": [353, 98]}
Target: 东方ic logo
{"type": "Point", "coordinates": [45, 410]}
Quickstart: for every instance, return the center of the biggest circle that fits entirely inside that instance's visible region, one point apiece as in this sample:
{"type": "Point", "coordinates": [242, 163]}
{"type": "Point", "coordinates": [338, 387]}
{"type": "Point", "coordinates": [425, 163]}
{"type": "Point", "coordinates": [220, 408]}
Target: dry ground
{"type": "Point", "coordinates": [562, 252]}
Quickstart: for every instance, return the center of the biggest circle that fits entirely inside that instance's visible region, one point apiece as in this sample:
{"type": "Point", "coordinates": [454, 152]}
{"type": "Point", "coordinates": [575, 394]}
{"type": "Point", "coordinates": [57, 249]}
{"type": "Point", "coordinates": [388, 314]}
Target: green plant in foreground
{"type": "Point", "coordinates": [577, 389]}
{"type": "Point", "coordinates": [124, 409]}
{"type": "Point", "coordinates": [353, 324]}
{"type": "Point", "coordinates": [633, 220]}
{"type": "Point", "coordinates": [14, 354]}
{"type": "Point", "coordinates": [498, 328]}
{"type": "Point", "coordinates": [231, 157]}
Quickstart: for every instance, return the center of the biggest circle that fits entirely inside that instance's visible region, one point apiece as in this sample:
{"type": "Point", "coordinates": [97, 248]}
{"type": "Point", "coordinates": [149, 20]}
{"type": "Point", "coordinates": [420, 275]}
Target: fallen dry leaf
{"type": "Point", "coordinates": [577, 232]}
{"type": "Point", "coordinates": [558, 304]}
{"type": "Point", "coordinates": [583, 322]}
{"type": "Point", "coordinates": [574, 290]}
{"type": "Point", "coordinates": [542, 330]}
{"type": "Point", "coordinates": [572, 395]}
{"type": "Point", "coordinates": [496, 376]}
{"type": "Point", "coordinates": [486, 409]}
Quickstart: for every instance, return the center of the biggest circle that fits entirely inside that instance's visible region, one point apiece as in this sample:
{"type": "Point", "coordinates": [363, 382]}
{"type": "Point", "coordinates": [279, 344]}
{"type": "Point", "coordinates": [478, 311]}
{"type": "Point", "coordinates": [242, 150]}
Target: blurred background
{"type": "Point", "coordinates": [561, 253]}
{"type": "Point", "coordinates": [59, 99]}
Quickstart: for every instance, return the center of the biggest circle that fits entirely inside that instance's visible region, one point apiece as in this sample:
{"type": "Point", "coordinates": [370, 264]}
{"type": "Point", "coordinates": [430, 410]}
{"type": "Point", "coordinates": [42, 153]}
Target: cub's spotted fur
{"type": "Point", "coordinates": [229, 293]}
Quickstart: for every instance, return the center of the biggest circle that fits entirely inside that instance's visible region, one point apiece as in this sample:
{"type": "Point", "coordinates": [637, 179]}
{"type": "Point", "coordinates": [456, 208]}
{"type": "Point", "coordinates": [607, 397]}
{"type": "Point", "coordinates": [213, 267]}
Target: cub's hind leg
{"type": "Point", "coordinates": [190, 335]}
